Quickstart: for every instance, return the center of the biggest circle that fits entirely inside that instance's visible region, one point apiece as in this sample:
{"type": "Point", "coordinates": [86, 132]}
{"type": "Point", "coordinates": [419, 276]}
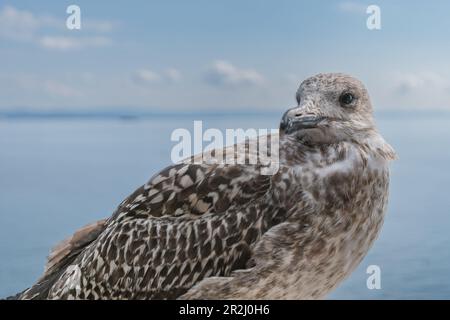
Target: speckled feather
{"type": "Point", "coordinates": [215, 231]}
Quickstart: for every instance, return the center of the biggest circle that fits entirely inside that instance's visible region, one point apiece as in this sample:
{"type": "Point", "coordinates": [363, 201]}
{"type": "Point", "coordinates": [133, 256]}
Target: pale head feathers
{"type": "Point", "coordinates": [332, 108]}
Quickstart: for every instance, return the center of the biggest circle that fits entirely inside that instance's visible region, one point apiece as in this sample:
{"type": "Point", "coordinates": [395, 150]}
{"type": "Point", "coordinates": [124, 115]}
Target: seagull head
{"type": "Point", "coordinates": [330, 108]}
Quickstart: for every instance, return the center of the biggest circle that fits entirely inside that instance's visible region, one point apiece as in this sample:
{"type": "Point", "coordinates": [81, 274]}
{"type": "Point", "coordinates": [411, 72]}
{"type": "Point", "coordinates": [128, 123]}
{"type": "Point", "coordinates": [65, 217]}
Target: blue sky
{"type": "Point", "coordinates": [218, 55]}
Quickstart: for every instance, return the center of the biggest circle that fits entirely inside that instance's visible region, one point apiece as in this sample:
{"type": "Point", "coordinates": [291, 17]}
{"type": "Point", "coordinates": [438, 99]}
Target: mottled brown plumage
{"type": "Point", "coordinates": [218, 231]}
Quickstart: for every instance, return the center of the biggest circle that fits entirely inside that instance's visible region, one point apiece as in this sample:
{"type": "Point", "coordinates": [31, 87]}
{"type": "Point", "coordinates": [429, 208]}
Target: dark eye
{"type": "Point", "coordinates": [346, 98]}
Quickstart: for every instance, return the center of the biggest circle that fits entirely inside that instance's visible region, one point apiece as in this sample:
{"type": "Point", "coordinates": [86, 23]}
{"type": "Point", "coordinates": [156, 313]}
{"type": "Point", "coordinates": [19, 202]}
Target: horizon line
{"type": "Point", "coordinates": [136, 113]}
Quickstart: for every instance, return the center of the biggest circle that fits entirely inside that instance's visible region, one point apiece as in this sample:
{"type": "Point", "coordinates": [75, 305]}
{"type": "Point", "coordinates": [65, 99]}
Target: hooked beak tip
{"type": "Point", "coordinates": [291, 124]}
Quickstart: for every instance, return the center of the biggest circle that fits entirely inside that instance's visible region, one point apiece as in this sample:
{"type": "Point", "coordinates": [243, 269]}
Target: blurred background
{"type": "Point", "coordinates": [86, 115]}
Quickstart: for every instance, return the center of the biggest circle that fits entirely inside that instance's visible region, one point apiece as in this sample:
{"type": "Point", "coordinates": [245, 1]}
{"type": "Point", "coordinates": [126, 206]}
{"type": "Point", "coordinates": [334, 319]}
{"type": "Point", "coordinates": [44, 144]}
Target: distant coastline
{"type": "Point", "coordinates": [124, 114]}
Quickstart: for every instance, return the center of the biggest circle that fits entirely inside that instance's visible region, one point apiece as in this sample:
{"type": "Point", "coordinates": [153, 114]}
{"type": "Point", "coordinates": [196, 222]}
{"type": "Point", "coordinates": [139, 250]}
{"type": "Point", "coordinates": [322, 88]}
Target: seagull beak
{"type": "Point", "coordinates": [292, 122]}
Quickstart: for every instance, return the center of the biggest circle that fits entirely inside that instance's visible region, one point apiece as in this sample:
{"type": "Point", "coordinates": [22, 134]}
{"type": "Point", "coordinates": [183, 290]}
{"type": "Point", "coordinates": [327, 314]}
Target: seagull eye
{"type": "Point", "coordinates": [346, 98]}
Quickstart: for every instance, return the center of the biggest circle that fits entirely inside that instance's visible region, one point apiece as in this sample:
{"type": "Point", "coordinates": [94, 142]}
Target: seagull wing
{"type": "Point", "coordinates": [190, 221]}
{"type": "Point", "coordinates": [194, 190]}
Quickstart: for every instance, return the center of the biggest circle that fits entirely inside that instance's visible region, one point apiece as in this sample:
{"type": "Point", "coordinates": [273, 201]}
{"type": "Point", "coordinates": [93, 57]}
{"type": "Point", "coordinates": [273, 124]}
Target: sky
{"type": "Point", "coordinates": [220, 56]}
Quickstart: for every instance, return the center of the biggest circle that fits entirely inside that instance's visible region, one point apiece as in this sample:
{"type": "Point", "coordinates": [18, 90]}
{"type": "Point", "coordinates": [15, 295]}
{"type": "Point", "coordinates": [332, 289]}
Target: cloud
{"type": "Point", "coordinates": [224, 73]}
{"type": "Point", "coordinates": [172, 74]}
{"type": "Point", "coordinates": [21, 25]}
{"type": "Point", "coordinates": [35, 85]}
{"type": "Point", "coordinates": [69, 43]}
{"type": "Point", "coordinates": [352, 7]}
{"type": "Point", "coordinates": [410, 82]}
{"type": "Point", "coordinates": [45, 30]}
{"type": "Point", "coordinates": [421, 89]}
{"type": "Point", "coordinates": [147, 76]}
{"type": "Point", "coordinates": [98, 26]}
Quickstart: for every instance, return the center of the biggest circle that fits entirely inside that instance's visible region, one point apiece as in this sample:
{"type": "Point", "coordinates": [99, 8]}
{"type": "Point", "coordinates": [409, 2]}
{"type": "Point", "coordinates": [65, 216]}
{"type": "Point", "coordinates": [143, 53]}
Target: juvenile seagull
{"type": "Point", "coordinates": [217, 231]}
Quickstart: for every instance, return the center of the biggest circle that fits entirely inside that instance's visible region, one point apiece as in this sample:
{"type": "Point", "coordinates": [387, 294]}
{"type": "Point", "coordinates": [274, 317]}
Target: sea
{"type": "Point", "coordinates": [59, 173]}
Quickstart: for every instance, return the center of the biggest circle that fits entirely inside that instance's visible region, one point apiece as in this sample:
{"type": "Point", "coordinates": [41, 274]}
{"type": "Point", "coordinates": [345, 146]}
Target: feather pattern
{"type": "Point", "coordinates": [207, 230]}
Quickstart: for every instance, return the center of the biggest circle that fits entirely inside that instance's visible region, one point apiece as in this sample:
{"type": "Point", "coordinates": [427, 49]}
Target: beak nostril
{"type": "Point", "coordinates": [298, 114]}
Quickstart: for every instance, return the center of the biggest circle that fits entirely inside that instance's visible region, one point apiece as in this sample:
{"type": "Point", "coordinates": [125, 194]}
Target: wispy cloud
{"type": "Point", "coordinates": [409, 82]}
{"type": "Point", "coordinates": [146, 76]}
{"type": "Point", "coordinates": [427, 89]}
{"type": "Point", "coordinates": [98, 26]}
{"type": "Point", "coordinates": [22, 25]}
{"type": "Point", "coordinates": [225, 73]}
{"type": "Point", "coordinates": [46, 31]}
{"type": "Point", "coordinates": [68, 43]}
{"type": "Point", "coordinates": [35, 84]}
{"type": "Point", "coordinates": [172, 74]}
{"type": "Point", "coordinates": [352, 7]}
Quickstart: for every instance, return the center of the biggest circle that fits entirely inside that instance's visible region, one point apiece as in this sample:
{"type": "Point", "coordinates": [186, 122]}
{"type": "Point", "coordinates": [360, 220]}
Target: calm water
{"type": "Point", "coordinates": [58, 175]}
